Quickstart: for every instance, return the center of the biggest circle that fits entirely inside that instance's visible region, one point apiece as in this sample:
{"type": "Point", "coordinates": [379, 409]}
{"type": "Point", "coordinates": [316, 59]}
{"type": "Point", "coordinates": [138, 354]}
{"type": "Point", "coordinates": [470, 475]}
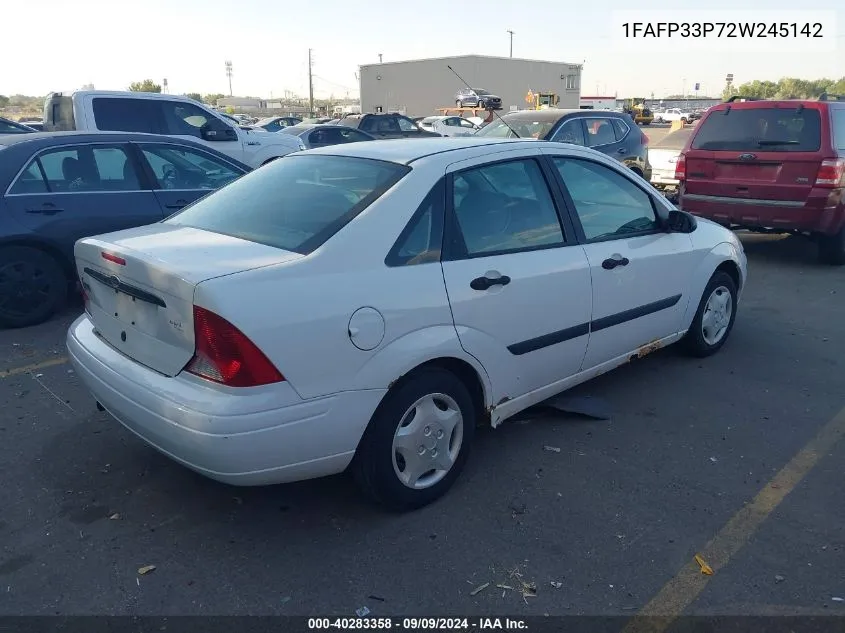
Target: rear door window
{"type": "Point", "coordinates": [620, 129]}
{"type": "Point", "coordinates": [600, 132]}
{"type": "Point", "coordinates": [760, 130]}
{"type": "Point", "coordinates": [295, 203]}
{"type": "Point", "coordinates": [79, 169]}
{"type": "Point", "coordinates": [128, 115]}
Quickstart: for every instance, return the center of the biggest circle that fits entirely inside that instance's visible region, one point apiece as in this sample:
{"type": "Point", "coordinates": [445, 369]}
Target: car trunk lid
{"type": "Point", "coordinates": [139, 286]}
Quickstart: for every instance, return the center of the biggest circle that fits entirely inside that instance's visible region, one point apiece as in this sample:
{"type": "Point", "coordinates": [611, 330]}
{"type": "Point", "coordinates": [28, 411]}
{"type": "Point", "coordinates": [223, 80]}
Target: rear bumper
{"type": "Point", "coordinates": [269, 436]}
{"type": "Point", "coordinates": [664, 177]}
{"type": "Point", "coordinates": [823, 212]}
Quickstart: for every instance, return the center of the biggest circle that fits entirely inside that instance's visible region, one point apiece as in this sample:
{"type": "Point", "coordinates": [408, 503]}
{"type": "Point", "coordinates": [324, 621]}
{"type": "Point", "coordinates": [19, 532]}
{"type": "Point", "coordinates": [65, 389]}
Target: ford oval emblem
{"type": "Point", "coordinates": [747, 156]}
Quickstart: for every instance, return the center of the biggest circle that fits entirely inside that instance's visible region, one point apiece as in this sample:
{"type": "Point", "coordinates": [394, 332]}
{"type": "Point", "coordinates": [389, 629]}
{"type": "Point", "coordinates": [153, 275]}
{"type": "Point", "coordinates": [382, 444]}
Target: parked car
{"type": "Point", "coordinates": [7, 126]}
{"type": "Point", "coordinates": [448, 125]}
{"type": "Point", "coordinates": [59, 187]}
{"type": "Point", "coordinates": [173, 115]}
{"type": "Point", "coordinates": [663, 157]}
{"type": "Point", "coordinates": [386, 126]}
{"type": "Point", "coordinates": [276, 123]}
{"type": "Point", "coordinates": [611, 133]}
{"type": "Point", "coordinates": [310, 316]}
{"type": "Point", "coordinates": [673, 114]}
{"type": "Point", "coordinates": [314, 135]}
{"type": "Point", "coordinates": [474, 98]}
{"type": "Point", "coordinates": [770, 166]}
{"type": "Point", "coordinates": [33, 123]}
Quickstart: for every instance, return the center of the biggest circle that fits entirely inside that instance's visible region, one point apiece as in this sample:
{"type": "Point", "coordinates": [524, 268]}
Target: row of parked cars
{"type": "Point", "coordinates": [365, 306]}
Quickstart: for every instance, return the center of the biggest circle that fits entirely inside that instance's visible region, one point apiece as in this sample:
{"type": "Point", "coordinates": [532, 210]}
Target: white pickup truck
{"type": "Point", "coordinates": [172, 115]}
{"type": "Point", "coordinates": [672, 114]}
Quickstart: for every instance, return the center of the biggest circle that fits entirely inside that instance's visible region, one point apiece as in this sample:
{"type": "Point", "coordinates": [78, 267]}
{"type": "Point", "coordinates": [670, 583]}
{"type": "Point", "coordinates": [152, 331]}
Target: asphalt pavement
{"type": "Point", "coordinates": [737, 458]}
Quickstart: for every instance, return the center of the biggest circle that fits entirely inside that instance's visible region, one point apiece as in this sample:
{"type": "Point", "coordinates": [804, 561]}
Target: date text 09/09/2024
{"type": "Point", "coordinates": [731, 30]}
{"type": "Point", "coordinates": [417, 624]}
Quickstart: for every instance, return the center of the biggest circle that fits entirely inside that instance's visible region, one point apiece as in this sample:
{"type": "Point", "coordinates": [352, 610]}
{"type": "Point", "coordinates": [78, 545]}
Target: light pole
{"type": "Point", "coordinates": [379, 58]}
{"type": "Point", "coordinates": [684, 94]}
{"type": "Point", "coordinates": [511, 35]}
{"type": "Point", "coordinates": [229, 75]}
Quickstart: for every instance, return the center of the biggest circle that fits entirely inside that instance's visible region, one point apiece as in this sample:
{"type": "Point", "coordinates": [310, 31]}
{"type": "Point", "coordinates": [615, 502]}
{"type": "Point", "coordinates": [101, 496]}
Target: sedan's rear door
{"type": "Point", "coordinates": [69, 192]}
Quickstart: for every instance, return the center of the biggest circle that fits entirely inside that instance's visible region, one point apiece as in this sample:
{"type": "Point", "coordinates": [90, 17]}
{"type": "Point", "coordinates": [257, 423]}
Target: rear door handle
{"type": "Point", "coordinates": [47, 209]}
{"type": "Point", "coordinates": [177, 205]}
{"type": "Point", "coordinates": [612, 262]}
{"type": "Point", "coordinates": [623, 150]}
{"type": "Point", "coordinates": [484, 283]}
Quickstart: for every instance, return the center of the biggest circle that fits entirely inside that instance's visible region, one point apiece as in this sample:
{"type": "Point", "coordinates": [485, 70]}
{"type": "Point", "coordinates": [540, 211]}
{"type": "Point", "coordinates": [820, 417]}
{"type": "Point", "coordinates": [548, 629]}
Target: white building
{"type": "Point", "coordinates": [420, 87]}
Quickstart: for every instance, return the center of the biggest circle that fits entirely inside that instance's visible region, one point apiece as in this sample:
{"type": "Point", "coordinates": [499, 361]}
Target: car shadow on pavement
{"type": "Point", "coordinates": [781, 249]}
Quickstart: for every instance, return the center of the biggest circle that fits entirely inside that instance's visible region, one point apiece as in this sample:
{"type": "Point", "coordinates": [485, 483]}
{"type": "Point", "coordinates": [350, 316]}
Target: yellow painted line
{"type": "Point", "coordinates": [28, 369]}
{"type": "Point", "coordinates": [680, 592]}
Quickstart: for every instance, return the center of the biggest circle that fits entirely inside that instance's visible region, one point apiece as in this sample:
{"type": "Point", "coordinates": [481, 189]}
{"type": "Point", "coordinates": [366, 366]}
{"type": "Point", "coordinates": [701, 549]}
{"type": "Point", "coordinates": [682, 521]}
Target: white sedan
{"type": "Point", "coordinates": [367, 305]}
{"type": "Point", "coordinates": [449, 125]}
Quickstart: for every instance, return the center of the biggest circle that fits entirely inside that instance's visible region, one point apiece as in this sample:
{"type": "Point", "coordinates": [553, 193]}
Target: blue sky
{"type": "Point", "coordinates": [188, 41]}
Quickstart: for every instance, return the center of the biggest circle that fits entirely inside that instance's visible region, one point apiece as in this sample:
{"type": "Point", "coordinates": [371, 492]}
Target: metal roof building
{"type": "Point", "coordinates": [420, 87]}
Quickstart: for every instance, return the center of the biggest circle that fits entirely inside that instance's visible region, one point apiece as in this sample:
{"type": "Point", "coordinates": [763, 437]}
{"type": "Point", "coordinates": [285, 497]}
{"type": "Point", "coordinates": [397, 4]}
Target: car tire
{"type": "Point", "coordinates": [33, 286]}
{"type": "Point", "coordinates": [832, 249]}
{"type": "Point", "coordinates": [379, 466]}
{"type": "Point", "coordinates": [720, 299]}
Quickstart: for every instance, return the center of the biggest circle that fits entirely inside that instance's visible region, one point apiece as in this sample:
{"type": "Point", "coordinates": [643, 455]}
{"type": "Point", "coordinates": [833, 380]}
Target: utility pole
{"type": "Point", "coordinates": [229, 75]}
{"type": "Point", "coordinates": [511, 34]}
{"type": "Point", "coordinates": [310, 83]}
{"type": "Point", "coordinates": [379, 58]}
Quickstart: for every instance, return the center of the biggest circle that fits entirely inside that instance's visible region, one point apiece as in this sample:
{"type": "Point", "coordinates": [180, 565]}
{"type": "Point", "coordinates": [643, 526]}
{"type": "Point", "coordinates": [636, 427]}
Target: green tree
{"type": "Point", "coordinates": [4, 101]}
{"type": "Point", "coordinates": [148, 85]}
{"type": "Point", "coordinates": [194, 95]}
{"type": "Point", "coordinates": [212, 98]}
{"type": "Point", "coordinates": [787, 88]}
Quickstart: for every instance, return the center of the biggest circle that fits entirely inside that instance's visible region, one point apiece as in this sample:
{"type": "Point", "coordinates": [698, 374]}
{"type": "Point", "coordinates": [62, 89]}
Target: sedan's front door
{"type": "Point", "coordinates": [518, 283]}
{"type": "Point", "coordinates": [641, 273]}
{"type": "Point", "coordinates": [184, 174]}
{"type": "Point", "coordinates": [71, 192]}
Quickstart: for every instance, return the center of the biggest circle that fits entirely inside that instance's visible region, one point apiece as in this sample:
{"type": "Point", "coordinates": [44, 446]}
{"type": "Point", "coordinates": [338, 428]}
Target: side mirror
{"type": "Point", "coordinates": [218, 131]}
{"type": "Point", "coordinates": [681, 222]}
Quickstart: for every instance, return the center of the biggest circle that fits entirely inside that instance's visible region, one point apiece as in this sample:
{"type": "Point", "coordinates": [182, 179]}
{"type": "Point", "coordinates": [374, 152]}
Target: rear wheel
{"type": "Point", "coordinates": [832, 249]}
{"type": "Point", "coordinates": [417, 442]}
{"type": "Point", "coordinates": [714, 318]}
{"type": "Point", "coordinates": [33, 286]}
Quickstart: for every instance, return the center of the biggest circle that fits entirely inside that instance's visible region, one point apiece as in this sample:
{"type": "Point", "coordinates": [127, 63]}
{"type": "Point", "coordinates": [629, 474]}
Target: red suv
{"type": "Point", "coordinates": [770, 166]}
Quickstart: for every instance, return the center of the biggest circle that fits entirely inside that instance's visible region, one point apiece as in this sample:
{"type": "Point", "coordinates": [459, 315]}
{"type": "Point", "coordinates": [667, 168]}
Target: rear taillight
{"type": "Point", "coordinates": [681, 168]}
{"type": "Point", "coordinates": [644, 139]}
{"type": "Point", "coordinates": [225, 355]}
{"type": "Point", "coordinates": [831, 173]}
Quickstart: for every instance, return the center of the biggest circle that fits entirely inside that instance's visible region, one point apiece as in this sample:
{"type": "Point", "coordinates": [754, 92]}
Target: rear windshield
{"type": "Point", "coordinates": [295, 203]}
{"type": "Point", "coordinates": [760, 129]}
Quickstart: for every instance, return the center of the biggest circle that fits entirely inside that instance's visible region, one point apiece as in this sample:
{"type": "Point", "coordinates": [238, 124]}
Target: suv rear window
{"type": "Point", "coordinates": [837, 117]}
{"type": "Point", "coordinates": [760, 129]}
{"type": "Point", "coordinates": [295, 203]}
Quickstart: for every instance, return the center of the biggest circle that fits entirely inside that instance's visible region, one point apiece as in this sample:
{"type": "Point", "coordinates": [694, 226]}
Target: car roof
{"type": "Point", "coordinates": [408, 151]}
{"type": "Point", "coordinates": [40, 140]}
{"type": "Point", "coordinates": [550, 114]}
{"type": "Point", "coordinates": [772, 103]}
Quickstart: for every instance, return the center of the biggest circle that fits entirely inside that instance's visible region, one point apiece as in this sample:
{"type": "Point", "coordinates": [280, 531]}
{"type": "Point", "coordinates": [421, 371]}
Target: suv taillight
{"type": "Point", "coordinates": [226, 356]}
{"type": "Point", "coordinates": [681, 168]}
{"type": "Point", "coordinates": [831, 173]}
{"type": "Point", "coordinates": [644, 139]}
